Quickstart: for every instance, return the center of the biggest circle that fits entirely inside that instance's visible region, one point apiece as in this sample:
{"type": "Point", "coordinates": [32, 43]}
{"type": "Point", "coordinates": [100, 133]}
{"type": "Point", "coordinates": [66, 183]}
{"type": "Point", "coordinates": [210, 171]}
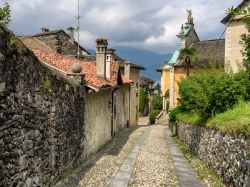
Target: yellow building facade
{"type": "Point", "coordinates": [173, 71]}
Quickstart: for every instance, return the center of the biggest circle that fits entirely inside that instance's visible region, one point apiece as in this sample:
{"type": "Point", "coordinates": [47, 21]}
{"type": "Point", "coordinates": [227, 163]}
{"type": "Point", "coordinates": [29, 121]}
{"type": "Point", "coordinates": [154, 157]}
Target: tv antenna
{"type": "Point", "coordinates": [78, 29]}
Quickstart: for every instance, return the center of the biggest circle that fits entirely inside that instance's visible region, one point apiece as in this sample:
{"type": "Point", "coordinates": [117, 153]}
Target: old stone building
{"type": "Point", "coordinates": [107, 91]}
{"type": "Point", "coordinates": [60, 41]}
{"type": "Point", "coordinates": [210, 53]}
{"type": "Point", "coordinates": [54, 119]}
{"type": "Point", "coordinates": [42, 115]}
{"type": "Point", "coordinates": [64, 43]}
{"type": "Point", "coordinates": [235, 28]}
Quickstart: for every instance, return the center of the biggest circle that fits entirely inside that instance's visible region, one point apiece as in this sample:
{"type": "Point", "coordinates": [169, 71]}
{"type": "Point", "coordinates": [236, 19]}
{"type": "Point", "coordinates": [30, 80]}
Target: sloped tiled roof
{"type": "Point", "coordinates": [64, 63]}
{"type": "Point", "coordinates": [145, 81]}
{"type": "Point", "coordinates": [210, 51]}
{"type": "Point", "coordinates": [88, 68]}
{"type": "Point", "coordinates": [34, 43]}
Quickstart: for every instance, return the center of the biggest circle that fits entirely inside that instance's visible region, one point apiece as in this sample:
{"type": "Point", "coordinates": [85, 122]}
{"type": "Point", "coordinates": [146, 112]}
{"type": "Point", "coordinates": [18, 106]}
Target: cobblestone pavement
{"type": "Point", "coordinates": [102, 170]}
{"type": "Point", "coordinates": [154, 164]}
{"type": "Point", "coordinates": [137, 156]}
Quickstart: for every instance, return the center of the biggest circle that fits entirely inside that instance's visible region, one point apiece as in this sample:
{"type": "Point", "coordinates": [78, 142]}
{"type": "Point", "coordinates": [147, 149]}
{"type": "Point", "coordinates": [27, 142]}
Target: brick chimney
{"type": "Point", "coordinates": [101, 49]}
{"type": "Point", "coordinates": [44, 30]}
{"type": "Point", "coordinates": [127, 68]}
{"type": "Point", "coordinates": [71, 34]}
{"type": "Point", "coordinates": [109, 58]}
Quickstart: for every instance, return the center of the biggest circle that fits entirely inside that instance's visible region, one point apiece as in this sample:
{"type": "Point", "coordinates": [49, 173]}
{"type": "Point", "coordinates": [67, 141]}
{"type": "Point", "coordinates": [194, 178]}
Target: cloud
{"type": "Point", "coordinates": [151, 25]}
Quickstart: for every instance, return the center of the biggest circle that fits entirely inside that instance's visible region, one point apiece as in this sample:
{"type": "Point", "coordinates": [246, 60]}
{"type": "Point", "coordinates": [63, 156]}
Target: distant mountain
{"type": "Point", "coordinates": [148, 59]}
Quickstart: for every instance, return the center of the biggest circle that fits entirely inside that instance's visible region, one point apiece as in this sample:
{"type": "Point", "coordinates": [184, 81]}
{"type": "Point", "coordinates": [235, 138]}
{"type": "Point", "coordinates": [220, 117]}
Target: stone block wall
{"type": "Point", "coordinates": [225, 153]}
{"type": "Point", "coordinates": [60, 42]}
{"type": "Point", "coordinates": [41, 118]}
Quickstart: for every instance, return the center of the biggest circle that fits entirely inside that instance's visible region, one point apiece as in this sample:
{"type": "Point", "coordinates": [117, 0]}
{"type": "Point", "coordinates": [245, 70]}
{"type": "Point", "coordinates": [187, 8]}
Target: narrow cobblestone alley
{"type": "Point", "coordinates": [135, 157]}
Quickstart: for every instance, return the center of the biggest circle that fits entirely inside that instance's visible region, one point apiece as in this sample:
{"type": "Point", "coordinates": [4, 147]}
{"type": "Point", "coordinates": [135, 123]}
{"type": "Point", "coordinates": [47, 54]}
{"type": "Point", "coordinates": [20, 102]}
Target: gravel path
{"type": "Point", "coordinates": [154, 165]}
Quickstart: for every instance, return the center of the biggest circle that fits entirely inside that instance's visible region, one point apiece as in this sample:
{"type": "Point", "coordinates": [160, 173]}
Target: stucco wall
{"type": "Point", "coordinates": [134, 97]}
{"type": "Point", "coordinates": [233, 55]}
{"type": "Point", "coordinates": [121, 119]}
{"type": "Point", "coordinates": [98, 120]}
{"type": "Point", "coordinates": [42, 122]}
{"type": "Point", "coordinates": [225, 153]}
{"type": "Point", "coordinates": [165, 81]}
{"type": "Point", "coordinates": [179, 74]}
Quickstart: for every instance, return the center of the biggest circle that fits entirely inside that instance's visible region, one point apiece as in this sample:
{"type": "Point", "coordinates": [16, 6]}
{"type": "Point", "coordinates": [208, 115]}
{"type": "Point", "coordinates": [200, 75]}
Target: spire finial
{"type": "Point", "coordinates": [190, 17]}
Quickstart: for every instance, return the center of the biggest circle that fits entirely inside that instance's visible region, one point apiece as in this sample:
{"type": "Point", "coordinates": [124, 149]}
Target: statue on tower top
{"type": "Point", "coordinates": [190, 17]}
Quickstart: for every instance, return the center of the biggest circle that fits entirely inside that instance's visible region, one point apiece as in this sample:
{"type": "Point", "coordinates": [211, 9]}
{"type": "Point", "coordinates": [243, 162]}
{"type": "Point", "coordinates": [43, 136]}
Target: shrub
{"type": "Point", "coordinates": [153, 115]}
{"type": "Point", "coordinates": [143, 100]}
{"type": "Point", "coordinates": [208, 95]}
{"type": "Point", "coordinates": [173, 113]}
{"type": "Point", "coordinates": [157, 103]}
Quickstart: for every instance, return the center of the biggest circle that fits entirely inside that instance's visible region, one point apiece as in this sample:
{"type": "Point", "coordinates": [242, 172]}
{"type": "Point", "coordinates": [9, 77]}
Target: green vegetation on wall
{"type": "Point", "coordinates": [5, 13]}
{"type": "Point", "coordinates": [46, 85]}
{"type": "Point", "coordinates": [143, 100]}
{"type": "Point", "coordinates": [157, 103]}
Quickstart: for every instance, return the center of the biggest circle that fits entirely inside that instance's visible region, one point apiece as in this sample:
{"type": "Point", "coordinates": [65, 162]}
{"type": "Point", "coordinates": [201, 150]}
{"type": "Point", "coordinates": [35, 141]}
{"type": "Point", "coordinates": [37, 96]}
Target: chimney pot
{"type": "Point", "coordinates": [44, 30]}
{"type": "Point", "coordinates": [101, 50]}
{"type": "Point", "coordinates": [127, 65]}
{"type": "Point", "coordinates": [71, 34]}
{"type": "Point", "coordinates": [109, 58]}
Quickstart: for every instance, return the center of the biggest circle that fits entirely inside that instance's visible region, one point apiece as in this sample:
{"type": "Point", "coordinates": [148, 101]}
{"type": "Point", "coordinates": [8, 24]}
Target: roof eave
{"type": "Point", "coordinates": [226, 19]}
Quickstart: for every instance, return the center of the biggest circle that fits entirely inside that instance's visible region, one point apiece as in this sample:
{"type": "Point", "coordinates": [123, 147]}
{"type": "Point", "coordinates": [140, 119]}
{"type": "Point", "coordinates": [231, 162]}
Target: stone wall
{"type": "Point", "coordinates": [60, 42]}
{"type": "Point", "coordinates": [225, 153]}
{"type": "Point", "coordinates": [41, 118]}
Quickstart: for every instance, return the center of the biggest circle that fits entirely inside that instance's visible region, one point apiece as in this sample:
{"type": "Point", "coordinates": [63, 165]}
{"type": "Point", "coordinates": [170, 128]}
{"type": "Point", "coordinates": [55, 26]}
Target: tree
{"type": "Point", "coordinates": [157, 102]}
{"type": "Point", "coordinates": [5, 13]}
{"type": "Point", "coordinates": [188, 55]}
{"type": "Point", "coordinates": [143, 100]}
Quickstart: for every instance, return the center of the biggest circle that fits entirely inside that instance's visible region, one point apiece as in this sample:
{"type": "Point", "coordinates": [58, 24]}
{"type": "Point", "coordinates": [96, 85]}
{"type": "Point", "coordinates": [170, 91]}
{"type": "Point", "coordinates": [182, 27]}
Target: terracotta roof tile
{"type": "Point", "coordinates": [88, 68]}
{"type": "Point", "coordinates": [64, 63]}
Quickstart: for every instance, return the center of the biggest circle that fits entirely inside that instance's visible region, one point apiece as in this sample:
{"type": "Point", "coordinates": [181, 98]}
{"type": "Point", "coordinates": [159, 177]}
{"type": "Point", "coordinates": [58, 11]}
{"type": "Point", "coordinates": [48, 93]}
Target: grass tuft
{"type": "Point", "coordinates": [234, 121]}
{"type": "Point", "coordinates": [190, 118]}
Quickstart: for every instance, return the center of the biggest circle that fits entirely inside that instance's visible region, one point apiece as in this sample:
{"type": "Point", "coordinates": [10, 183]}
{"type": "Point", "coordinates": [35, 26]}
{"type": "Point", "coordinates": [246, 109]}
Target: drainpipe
{"type": "Point", "coordinates": [129, 97]}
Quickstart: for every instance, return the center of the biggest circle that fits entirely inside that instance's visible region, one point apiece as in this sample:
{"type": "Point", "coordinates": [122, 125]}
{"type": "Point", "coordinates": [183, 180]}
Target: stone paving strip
{"type": "Point", "coordinates": [185, 173]}
{"type": "Point", "coordinates": [154, 165]}
{"type": "Point", "coordinates": [123, 175]}
{"type": "Point", "coordinates": [102, 167]}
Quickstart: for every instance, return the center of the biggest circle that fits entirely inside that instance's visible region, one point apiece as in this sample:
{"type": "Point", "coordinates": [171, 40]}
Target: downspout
{"type": "Point", "coordinates": [171, 90]}
{"type": "Point", "coordinates": [129, 98]}
{"type": "Point", "coordinates": [112, 113]}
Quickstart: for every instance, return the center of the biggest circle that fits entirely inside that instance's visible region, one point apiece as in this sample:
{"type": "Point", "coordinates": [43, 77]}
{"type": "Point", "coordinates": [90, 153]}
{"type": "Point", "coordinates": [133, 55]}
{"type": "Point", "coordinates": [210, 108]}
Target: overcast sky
{"type": "Point", "coordinates": [147, 24]}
